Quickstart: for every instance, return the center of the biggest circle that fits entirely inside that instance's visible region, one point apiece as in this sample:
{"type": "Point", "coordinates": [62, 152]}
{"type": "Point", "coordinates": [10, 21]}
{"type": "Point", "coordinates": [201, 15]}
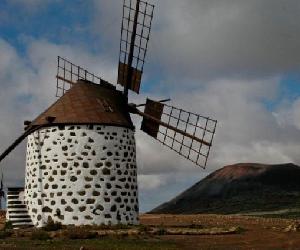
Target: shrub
{"type": "Point", "coordinates": [52, 226]}
{"type": "Point", "coordinates": [8, 225]}
{"type": "Point", "coordinates": [161, 231]}
{"type": "Point", "coordinates": [79, 233]}
{"type": "Point", "coordinates": [40, 235]}
{"type": "Point", "coordinates": [4, 234]}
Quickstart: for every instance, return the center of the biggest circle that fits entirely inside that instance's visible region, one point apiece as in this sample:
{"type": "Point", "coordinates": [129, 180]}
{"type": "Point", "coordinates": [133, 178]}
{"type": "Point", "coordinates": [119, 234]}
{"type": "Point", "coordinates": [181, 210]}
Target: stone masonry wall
{"type": "Point", "coordinates": [82, 175]}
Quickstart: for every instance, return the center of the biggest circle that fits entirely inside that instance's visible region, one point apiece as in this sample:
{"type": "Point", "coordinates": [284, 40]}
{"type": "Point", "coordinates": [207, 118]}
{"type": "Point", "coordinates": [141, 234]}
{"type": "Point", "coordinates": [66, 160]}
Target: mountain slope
{"type": "Point", "coordinates": [246, 187]}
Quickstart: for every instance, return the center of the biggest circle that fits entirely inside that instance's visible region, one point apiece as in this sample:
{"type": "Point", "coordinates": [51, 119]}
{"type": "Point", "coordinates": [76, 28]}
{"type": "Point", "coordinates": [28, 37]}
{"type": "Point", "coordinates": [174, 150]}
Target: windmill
{"type": "Point", "coordinates": [81, 156]}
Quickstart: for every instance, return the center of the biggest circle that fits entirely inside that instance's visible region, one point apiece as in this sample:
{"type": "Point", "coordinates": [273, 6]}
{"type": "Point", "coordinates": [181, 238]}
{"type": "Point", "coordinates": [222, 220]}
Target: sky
{"type": "Point", "coordinates": [237, 61]}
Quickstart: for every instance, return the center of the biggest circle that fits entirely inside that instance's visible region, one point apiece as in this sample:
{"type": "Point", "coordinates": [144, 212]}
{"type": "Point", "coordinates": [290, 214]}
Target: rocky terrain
{"type": "Point", "coordinates": [241, 188]}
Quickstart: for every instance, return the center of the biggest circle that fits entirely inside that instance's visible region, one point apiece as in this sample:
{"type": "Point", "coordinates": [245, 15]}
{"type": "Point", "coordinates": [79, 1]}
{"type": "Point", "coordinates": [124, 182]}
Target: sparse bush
{"type": "Point", "coordinates": [79, 233]}
{"type": "Point", "coordinates": [5, 233]}
{"type": "Point", "coordinates": [40, 235]}
{"type": "Point", "coordinates": [52, 226]}
{"type": "Point", "coordinates": [144, 228]}
{"type": "Point", "coordinates": [8, 225]}
{"type": "Point", "coordinates": [195, 226]}
{"type": "Point", "coordinates": [161, 231]}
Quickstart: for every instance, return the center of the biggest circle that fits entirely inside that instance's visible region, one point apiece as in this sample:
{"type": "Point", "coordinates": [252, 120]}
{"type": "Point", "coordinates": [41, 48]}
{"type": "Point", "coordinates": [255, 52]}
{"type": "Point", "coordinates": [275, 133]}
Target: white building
{"type": "Point", "coordinates": [81, 162]}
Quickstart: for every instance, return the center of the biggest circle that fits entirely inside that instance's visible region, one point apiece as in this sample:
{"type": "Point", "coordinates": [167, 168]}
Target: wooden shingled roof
{"type": "Point", "coordinates": [88, 103]}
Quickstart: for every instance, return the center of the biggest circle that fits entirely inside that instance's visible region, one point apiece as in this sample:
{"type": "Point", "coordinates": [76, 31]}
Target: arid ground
{"type": "Point", "coordinates": [257, 233]}
{"type": "Point", "coordinates": [174, 232]}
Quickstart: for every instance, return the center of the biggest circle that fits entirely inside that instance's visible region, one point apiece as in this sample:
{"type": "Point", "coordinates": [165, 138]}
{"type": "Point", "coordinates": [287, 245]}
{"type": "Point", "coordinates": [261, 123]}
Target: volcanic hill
{"type": "Point", "coordinates": [240, 188]}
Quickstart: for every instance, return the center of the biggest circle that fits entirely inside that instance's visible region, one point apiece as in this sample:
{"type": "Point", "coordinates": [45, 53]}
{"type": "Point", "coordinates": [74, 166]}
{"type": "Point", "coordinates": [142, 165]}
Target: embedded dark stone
{"type": "Point", "coordinates": [106, 171]}
{"type": "Point", "coordinates": [136, 208]}
{"type": "Point", "coordinates": [81, 209]}
{"type": "Point", "coordinates": [96, 193]}
{"type": "Point", "coordinates": [87, 186]}
{"type": "Point", "coordinates": [39, 217]}
{"type": "Point", "coordinates": [72, 134]}
{"type": "Point", "coordinates": [63, 201]}
{"type": "Point", "coordinates": [64, 148]}
{"type": "Point", "coordinates": [52, 203]}
{"type": "Point", "coordinates": [46, 210]}
{"type": "Point", "coordinates": [88, 217]}
{"type": "Point", "coordinates": [69, 209]}
{"type": "Point", "coordinates": [75, 217]}
{"type": "Point", "coordinates": [122, 179]}
{"type": "Point", "coordinates": [85, 165]}
{"type": "Point", "coordinates": [109, 153]}
{"type": "Point", "coordinates": [100, 207]}
{"type": "Point", "coordinates": [34, 210]}
{"type": "Point", "coordinates": [108, 185]}
{"type": "Point", "coordinates": [99, 165]}
{"type": "Point", "coordinates": [97, 185]}
{"type": "Point", "coordinates": [43, 167]}
{"type": "Point", "coordinates": [108, 164]}
{"type": "Point", "coordinates": [85, 153]}
{"type": "Point", "coordinates": [64, 164]}
{"type": "Point", "coordinates": [63, 172]}
{"type": "Point", "coordinates": [91, 140]}
{"type": "Point", "coordinates": [107, 216]}
{"type": "Point", "coordinates": [76, 164]}
{"type": "Point", "coordinates": [39, 202]}
{"type": "Point", "coordinates": [94, 152]}
{"type": "Point", "coordinates": [81, 193]}
{"type": "Point", "coordinates": [73, 178]}
{"type": "Point", "coordinates": [88, 178]}
{"type": "Point", "coordinates": [84, 134]}
{"type": "Point", "coordinates": [118, 199]}
{"type": "Point", "coordinates": [59, 194]}
{"type": "Point", "coordinates": [93, 172]}
{"type": "Point", "coordinates": [69, 193]}
{"type": "Point", "coordinates": [55, 186]}
{"type": "Point", "coordinates": [90, 201]}
{"type": "Point", "coordinates": [106, 199]}
{"type": "Point", "coordinates": [75, 201]}
{"type": "Point", "coordinates": [54, 172]}
{"type": "Point", "coordinates": [113, 208]}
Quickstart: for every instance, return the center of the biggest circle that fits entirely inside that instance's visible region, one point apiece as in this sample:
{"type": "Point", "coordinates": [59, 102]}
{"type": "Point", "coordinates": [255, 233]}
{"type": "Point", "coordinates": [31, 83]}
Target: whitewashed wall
{"type": "Point", "coordinates": [82, 175]}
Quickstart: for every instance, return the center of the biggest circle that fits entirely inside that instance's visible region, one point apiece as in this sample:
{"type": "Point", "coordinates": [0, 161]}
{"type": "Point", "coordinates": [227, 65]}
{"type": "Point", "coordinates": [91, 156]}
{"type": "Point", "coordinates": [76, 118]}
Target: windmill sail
{"type": "Point", "coordinates": [135, 33]}
{"type": "Point", "coordinates": [189, 134]}
{"type": "Point", "coordinates": [69, 73]}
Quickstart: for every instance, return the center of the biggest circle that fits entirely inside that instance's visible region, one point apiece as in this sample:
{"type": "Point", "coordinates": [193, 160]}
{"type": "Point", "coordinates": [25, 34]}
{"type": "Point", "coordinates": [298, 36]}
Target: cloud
{"type": "Point", "coordinates": [212, 39]}
{"type": "Point", "coordinates": [223, 59]}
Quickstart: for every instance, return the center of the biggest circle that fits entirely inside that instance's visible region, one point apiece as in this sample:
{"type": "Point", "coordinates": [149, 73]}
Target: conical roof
{"type": "Point", "coordinates": [88, 103]}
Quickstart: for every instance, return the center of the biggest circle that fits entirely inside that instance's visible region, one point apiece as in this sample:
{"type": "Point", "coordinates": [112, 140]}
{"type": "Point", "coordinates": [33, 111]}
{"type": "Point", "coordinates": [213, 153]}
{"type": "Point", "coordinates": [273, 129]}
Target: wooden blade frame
{"type": "Point", "coordinates": [188, 134]}
{"type": "Point", "coordinates": [69, 73]}
{"type": "Point", "coordinates": [135, 33]}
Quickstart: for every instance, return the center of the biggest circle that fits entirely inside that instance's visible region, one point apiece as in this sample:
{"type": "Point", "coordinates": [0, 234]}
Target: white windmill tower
{"type": "Point", "coordinates": [81, 156]}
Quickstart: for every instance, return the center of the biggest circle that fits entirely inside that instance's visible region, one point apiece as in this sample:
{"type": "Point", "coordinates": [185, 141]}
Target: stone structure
{"type": "Point", "coordinates": [83, 173]}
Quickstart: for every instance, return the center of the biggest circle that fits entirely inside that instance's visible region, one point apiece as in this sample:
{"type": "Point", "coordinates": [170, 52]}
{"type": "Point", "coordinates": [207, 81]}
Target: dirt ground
{"type": "Point", "coordinates": [255, 233]}
{"type": "Point", "coordinates": [258, 233]}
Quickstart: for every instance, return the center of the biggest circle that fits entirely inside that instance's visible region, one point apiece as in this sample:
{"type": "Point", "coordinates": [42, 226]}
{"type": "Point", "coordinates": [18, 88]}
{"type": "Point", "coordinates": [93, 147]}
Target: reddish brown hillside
{"type": "Point", "coordinates": [242, 187]}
